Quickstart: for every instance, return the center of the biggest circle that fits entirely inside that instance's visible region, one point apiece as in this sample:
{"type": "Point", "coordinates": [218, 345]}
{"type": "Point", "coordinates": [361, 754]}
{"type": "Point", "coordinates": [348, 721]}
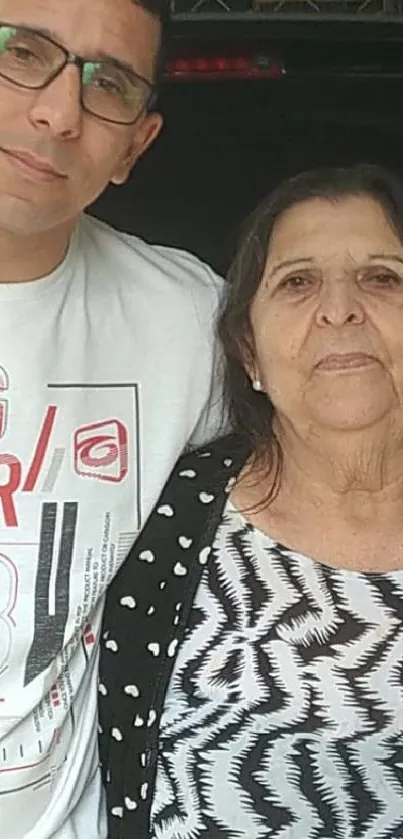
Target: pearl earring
{"type": "Point", "coordinates": [257, 385]}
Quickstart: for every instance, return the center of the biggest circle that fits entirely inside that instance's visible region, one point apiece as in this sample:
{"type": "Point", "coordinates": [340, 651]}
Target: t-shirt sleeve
{"type": "Point", "coordinates": [212, 421]}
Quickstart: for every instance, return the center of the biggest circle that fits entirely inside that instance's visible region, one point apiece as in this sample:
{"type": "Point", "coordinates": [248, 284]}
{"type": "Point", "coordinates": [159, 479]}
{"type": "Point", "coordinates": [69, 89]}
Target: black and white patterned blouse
{"type": "Point", "coordinates": [284, 715]}
{"type": "Point", "coordinates": [247, 691]}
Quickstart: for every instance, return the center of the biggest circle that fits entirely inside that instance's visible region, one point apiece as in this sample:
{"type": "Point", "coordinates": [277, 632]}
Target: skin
{"type": "Point", "coordinates": [37, 218]}
{"type": "Point", "coordinates": [341, 430]}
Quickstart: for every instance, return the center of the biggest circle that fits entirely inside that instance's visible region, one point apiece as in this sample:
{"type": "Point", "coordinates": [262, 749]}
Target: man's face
{"type": "Point", "coordinates": [51, 123]}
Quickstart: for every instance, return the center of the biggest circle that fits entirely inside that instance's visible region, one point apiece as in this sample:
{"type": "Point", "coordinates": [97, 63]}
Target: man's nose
{"type": "Point", "coordinates": [57, 107]}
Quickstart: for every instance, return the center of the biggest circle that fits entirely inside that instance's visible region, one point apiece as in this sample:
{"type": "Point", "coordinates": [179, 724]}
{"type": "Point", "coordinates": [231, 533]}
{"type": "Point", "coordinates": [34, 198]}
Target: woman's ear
{"type": "Point", "coordinates": [249, 361]}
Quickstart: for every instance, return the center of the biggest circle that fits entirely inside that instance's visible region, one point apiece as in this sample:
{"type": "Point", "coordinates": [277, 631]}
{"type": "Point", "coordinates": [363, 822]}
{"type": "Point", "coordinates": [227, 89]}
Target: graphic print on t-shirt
{"type": "Point", "coordinates": [69, 512]}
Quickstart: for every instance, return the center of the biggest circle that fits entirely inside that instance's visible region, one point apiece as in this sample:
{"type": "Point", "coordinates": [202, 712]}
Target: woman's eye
{"type": "Point", "coordinates": [296, 283]}
{"type": "Point", "coordinates": [384, 279]}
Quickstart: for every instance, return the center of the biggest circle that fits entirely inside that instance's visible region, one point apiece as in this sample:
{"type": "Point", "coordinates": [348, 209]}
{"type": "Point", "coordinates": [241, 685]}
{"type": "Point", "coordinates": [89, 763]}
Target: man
{"type": "Point", "coordinates": [106, 366]}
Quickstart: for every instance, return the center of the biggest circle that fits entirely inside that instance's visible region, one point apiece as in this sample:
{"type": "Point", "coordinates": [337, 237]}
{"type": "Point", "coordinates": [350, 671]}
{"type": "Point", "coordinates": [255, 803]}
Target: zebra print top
{"type": "Point", "coordinates": [284, 713]}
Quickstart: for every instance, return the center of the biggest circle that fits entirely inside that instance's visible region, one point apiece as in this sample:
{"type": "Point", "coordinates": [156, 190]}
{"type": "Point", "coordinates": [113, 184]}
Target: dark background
{"type": "Point", "coordinates": [226, 143]}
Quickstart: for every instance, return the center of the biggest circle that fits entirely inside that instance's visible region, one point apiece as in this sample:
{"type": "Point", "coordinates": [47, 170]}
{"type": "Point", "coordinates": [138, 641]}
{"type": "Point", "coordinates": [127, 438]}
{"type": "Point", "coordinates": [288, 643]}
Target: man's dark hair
{"type": "Point", "coordinates": [161, 10]}
{"type": "Point", "coordinates": [251, 412]}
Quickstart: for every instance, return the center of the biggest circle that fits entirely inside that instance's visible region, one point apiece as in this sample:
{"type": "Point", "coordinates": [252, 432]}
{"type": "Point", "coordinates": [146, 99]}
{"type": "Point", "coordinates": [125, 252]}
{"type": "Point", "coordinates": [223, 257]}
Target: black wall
{"type": "Point", "coordinates": [225, 144]}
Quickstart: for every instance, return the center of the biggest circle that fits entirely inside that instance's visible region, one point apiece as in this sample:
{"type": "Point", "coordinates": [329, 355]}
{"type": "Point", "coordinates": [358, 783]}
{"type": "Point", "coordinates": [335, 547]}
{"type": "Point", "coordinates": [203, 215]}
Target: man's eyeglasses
{"type": "Point", "coordinates": [109, 90]}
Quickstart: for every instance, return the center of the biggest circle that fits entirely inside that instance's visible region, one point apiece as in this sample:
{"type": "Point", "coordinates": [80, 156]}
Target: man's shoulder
{"type": "Point", "coordinates": [136, 262]}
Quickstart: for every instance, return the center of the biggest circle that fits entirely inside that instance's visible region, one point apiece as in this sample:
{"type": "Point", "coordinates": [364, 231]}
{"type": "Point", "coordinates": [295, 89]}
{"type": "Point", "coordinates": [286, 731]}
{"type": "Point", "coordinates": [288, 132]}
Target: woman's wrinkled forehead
{"type": "Point", "coordinates": [320, 229]}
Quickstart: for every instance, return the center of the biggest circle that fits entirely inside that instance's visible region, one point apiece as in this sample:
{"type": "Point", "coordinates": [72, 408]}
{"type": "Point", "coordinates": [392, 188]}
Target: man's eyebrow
{"type": "Point", "coordinates": [98, 55]}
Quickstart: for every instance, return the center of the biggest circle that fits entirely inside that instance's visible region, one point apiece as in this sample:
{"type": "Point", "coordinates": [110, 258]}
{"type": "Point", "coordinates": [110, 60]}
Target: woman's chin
{"type": "Point", "coordinates": [356, 406]}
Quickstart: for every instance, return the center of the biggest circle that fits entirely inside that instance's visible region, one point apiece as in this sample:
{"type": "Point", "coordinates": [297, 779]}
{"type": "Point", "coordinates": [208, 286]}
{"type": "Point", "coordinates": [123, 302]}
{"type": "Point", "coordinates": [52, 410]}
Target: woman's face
{"type": "Point", "coordinates": [327, 320]}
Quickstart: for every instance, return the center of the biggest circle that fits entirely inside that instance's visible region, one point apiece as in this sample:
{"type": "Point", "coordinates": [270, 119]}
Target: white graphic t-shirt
{"type": "Point", "coordinates": [105, 375]}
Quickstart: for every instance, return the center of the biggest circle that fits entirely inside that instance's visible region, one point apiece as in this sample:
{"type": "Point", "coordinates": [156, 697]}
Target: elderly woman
{"type": "Point", "coordinates": [252, 670]}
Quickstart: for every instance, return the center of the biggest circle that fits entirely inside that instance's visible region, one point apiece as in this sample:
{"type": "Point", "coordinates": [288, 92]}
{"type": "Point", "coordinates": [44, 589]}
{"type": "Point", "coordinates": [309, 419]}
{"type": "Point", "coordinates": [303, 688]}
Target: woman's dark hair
{"type": "Point", "coordinates": [251, 412]}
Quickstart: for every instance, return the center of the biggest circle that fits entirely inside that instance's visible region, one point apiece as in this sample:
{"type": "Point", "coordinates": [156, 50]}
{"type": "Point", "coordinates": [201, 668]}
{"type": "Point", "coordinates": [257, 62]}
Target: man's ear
{"type": "Point", "coordinates": [145, 135]}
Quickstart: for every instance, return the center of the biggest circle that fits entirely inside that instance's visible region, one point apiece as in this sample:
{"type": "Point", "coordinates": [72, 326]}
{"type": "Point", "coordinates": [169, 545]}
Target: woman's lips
{"type": "Point", "coordinates": [346, 361]}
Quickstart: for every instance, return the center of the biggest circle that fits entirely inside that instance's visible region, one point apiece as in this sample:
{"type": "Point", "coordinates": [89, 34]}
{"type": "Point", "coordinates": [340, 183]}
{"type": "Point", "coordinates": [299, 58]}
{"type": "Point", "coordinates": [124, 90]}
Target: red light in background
{"type": "Point", "coordinates": [255, 65]}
